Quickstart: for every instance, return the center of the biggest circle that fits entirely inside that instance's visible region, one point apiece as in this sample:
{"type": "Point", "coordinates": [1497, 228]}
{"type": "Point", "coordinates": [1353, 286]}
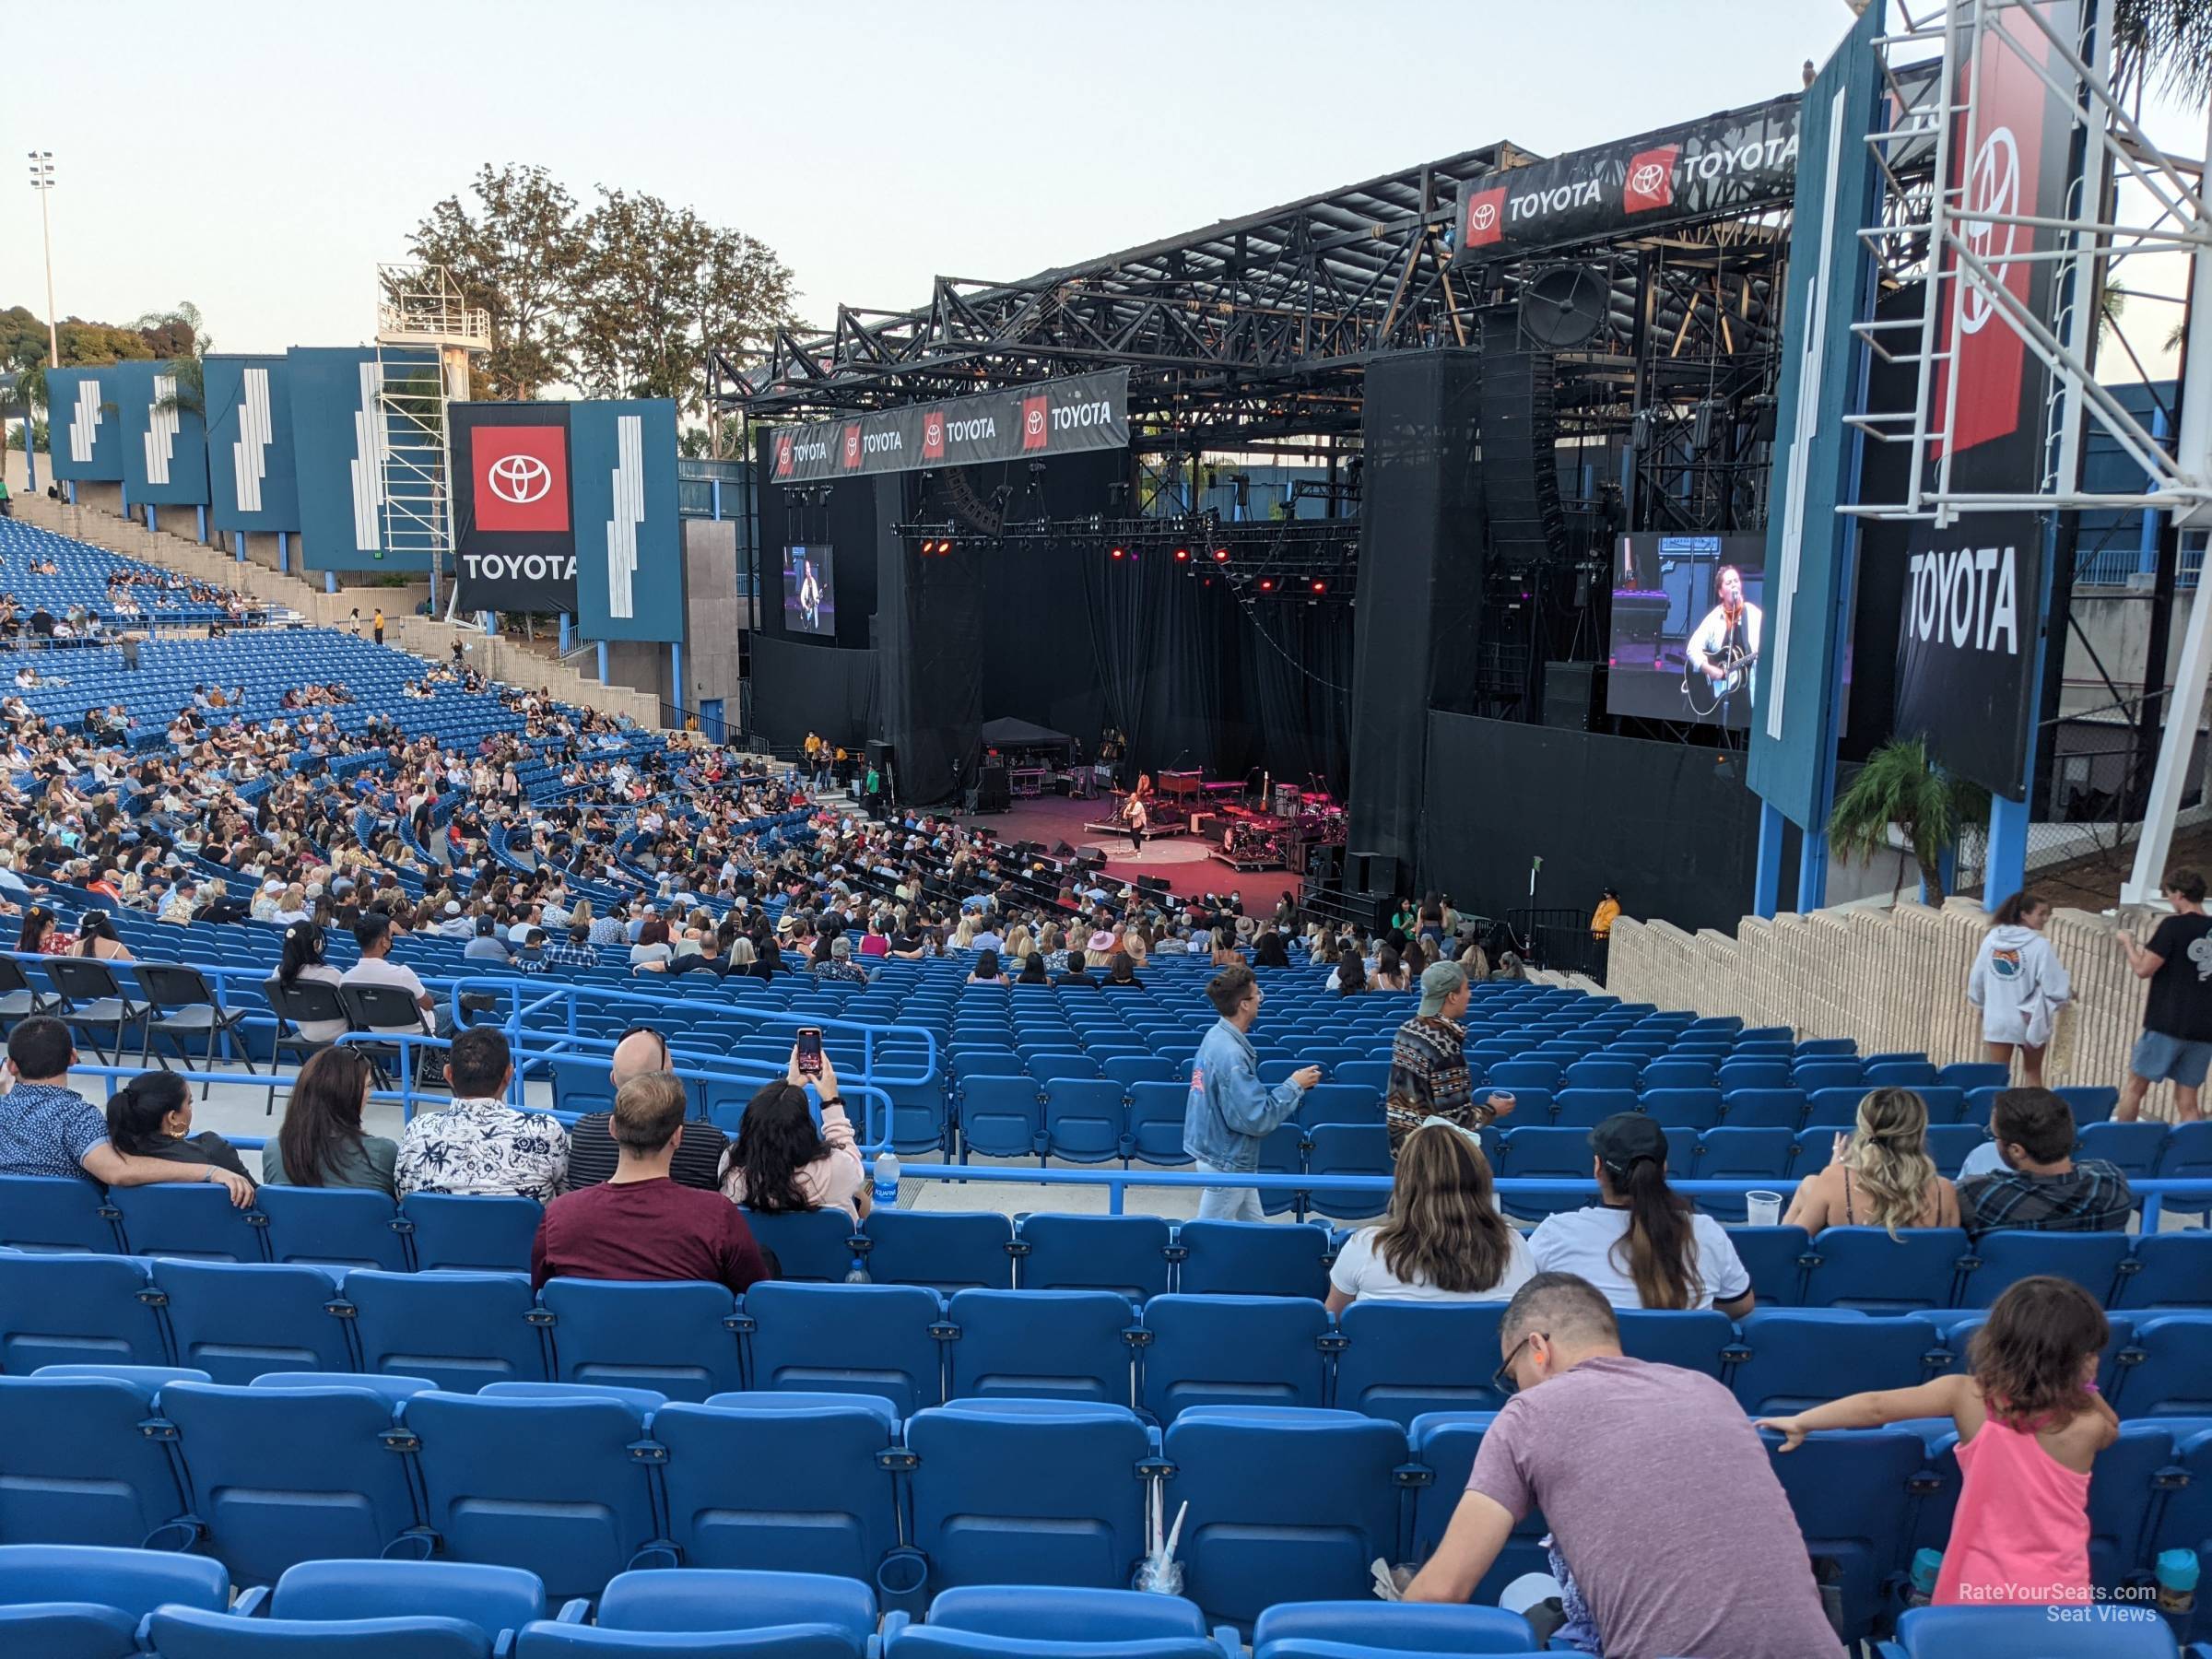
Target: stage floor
{"type": "Point", "coordinates": [1189, 864]}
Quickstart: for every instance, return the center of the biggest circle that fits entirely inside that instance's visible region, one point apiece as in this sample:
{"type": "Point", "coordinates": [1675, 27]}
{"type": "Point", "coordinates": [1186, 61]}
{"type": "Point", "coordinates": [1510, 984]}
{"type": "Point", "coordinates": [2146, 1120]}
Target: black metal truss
{"type": "Point", "coordinates": [1284, 558]}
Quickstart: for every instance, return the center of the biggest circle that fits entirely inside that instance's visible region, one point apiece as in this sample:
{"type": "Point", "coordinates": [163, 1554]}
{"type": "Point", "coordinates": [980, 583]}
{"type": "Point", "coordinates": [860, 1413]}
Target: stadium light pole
{"type": "Point", "coordinates": [41, 180]}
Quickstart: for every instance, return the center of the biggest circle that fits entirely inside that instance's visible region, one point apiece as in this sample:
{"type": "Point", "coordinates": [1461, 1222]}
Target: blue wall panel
{"type": "Point", "coordinates": [629, 562]}
{"type": "Point", "coordinates": [338, 432]}
{"type": "Point", "coordinates": [85, 423]}
{"type": "Point", "coordinates": [164, 450]}
{"type": "Point", "coordinates": [252, 482]}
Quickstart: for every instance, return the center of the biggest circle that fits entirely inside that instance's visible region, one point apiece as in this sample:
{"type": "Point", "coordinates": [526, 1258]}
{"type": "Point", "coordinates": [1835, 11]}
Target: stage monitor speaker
{"type": "Point", "coordinates": [1520, 442]}
{"type": "Point", "coordinates": [1064, 851]}
{"type": "Point", "coordinates": [1570, 689]}
{"type": "Point", "coordinates": [1374, 873]}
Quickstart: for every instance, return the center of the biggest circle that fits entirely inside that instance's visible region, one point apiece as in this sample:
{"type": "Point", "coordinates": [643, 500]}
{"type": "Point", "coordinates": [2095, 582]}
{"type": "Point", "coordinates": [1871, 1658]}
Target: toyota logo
{"type": "Point", "coordinates": [783, 454]}
{"type": "Point", "coordinates": [1034, 423]}
{"type": "Point", "coordinates": [1647, 179]}
{"type": "Point", "coordinates": [1484, 215]}
{"type": "Point", "coordinates": [519, 479]}
{"type": "Point", "coordinates": [933, 430]}
{"type": "Point", "coordinates": [1992, 187]}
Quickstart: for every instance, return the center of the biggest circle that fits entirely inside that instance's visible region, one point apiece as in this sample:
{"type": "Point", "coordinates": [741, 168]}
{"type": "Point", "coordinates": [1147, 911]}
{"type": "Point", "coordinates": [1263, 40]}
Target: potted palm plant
{"type": "Point", "coordinates": [1899, 787]}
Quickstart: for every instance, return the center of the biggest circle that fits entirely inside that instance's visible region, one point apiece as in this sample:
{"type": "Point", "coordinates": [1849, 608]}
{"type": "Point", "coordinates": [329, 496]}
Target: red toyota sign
{"type": "Point", "coordinates": [522, 478]}
{"type": "Point", "coordinates": [1035, 425]}
{"type": "Point", "coordinates": [1650, 180]}
{"type": "Point", "coordinates": [1485, 218]}
{"type": "Point", "coordinates": [784, 455]}
{"type": "Point", "coordinates": [933, 435]}
{"type": "Point", "coordinates": [852, 445]}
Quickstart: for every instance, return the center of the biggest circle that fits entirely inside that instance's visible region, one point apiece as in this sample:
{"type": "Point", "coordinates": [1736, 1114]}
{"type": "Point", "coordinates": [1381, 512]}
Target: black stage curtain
{"type": "Point", "coordinates": [799, 689]}
{"type": "Point", "coordinates": [1675, 833]}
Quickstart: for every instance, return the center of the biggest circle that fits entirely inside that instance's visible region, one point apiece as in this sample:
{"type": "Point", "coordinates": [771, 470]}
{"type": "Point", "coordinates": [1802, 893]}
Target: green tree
{"type": "Point", "coordinates": [183, 328]}
{"type": "Point", "coordinates": [2172, 40]}
{"type": "Point", "coordinates": [1899, 786]}
{"type": "Point", "coordinates": [514, 247]}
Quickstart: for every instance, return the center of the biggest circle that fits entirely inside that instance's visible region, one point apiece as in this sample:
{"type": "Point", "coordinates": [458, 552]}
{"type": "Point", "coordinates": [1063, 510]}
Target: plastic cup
{"type": "Point", "coordinates": [1763, 1209]}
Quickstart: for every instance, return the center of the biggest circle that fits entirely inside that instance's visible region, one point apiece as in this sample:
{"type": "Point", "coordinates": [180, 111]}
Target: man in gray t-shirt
{"type": "Point", "coordinates": [1660, 1496]}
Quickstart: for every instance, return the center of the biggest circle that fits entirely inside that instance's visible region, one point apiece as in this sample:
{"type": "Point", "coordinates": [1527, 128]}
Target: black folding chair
{"type": "Point", "coordinates": [19, 999]}
{"type": "Point", "coordinates": [388, 1010]}
{"type": "Point", "coordinates": [94, 999]}
{"type": "Point", "coordinates": [185, 1005]}
{"type": "Point", "coordinates": [304, 1003]}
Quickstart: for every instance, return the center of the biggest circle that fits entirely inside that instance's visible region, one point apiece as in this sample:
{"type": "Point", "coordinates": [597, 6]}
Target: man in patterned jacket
{"type": "Point", "coordinates": [479, 1144]}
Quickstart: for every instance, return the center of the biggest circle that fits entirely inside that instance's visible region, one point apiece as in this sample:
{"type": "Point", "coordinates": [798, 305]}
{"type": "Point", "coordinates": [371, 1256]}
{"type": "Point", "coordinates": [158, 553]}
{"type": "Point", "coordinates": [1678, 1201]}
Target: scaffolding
{"type": "Point", "coordinates": [426, 335]}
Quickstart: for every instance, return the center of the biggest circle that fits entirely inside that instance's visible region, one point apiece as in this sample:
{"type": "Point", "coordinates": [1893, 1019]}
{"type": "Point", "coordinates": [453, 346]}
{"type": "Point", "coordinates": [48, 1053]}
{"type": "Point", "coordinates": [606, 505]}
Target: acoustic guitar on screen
{"type": "Point", "coordinates": [1707, 685]}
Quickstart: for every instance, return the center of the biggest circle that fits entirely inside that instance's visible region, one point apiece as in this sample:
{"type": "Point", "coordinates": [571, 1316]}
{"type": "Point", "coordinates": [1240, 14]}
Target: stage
{"type": "Point", "coordinates": [1188, 862]}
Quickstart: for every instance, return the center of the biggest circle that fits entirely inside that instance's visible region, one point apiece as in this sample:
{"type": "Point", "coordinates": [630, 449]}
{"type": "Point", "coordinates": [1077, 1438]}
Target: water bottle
{"type": "Point", "coordinates": [887, 1180]}
{"type": "Point", "coordinates": [1927, 1566]}
{"type": "Point", "coordinates": [2176, 1571]}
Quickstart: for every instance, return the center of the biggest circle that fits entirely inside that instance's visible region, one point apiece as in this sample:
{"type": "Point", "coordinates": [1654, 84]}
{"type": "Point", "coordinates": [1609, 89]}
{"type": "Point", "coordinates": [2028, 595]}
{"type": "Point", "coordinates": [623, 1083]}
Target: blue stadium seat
{"type": "Point", "coordinates": [677, 1339]}
{"type": "Point", "coordinates": [2133, 1148]}
{"type": "Point", "coordinates": [1085, 1119]}
{"type": "Point", "coordinates": [1832, 1109]}
{"type": "Point", "coordinates": [2184, 1520]}
{"type": "Point", "coordinates": [1056, 1345]}
{"type": "Point", "coordinates": [557, 1486]}
{"type": "Point", "coordinates": [1774, 1257]}
{"type": "Point", "coordinates": [1744, 1074]}
{"type": "Point", "coordinates": [2166, 1270]}
{"type": "Point", "coordinates": [791, 1482]}
{"type": "Point", "coordinates": [1156, 1117]}
{"type": "Point", "coordinates": [289, 1474]}
{"type": "Point", "coordinates": [1682, 1110]}
{"type": "Point", "coordinates": [1286, 1505]}
{"type": "Point", "coordinates": [1127, 1255]}
{"type": "Point", "coordinates": [2186, 1155]}
{"type": "Point", "coordinates": [2119, 1633]}
{"type": "Point", "coordinates": [1351, 1149]}
{"type": "Point", "coordinates": [1328, 1104]}
{"type": "Point", "coordinates": [237, 1321]}
{"type": "Point", "coordinates": [1864, 1267]}
{"type": "Point", "coordinates": [813, 1245]}
{"type": "Point", "coordinates": [1408, 1627]}
{"type": "Point", "coordinates": [1444, 1443]}
{"type": "Point", "coordinates": [1516, 1075]}
{"type": "Point", "coordinates": [1694, 1338]}
{"type": "Point", "coordinates": [1734, 1153]}
{"type": "Point", "coordinates": [493, 1599]}
{"type": "Point", "coordinates": [2167, 1369]}
{"type": "Point", "coordinates": [1400, 1360]}
{"type": "Point", "coordinates": [79, 1464]}
{"type": "Point", "coordinates": [189, 1221]}
{"type": "Point", "coordinates": [56, 1213]}
{"type": "Point", "coordinates": [1950, 1144]}
{"type": "Point", "coordinates": [187, 1634]}
{"type": "Point", "coordinates": [334, 1227]}
{"type": "Point", "coordinates": [80, 1310]}
{"type": "Point", "coordinates": [1828, 1071]}
{"type": "Point", "coordinates": [864, 1339]}
{"type": "Point", "coordinates": [1581, 1106]}
{"type": "Point", "coordinates": [942, 1251]}
{"type": "Point", "coordinates": [1763, 1109]}
{"type": "Point", "coordinates": [1131, 1069]}
{"type": "Point", "coordinates": [1233, 1351]}
{"type": "Point", "coordinates": [1251, 1258]}
{"type": "Point", "coordinates": [1793, 1359]}
{"type": "Point", "coordinates": [1540, 1152]}
{"type": "Point", "coordinates": [802, 1613]}
{"type": "Point", "coordinates": [1030, 1492]}
{"type": "Point", "coordinates": [1899, 1073]}
{"type": "Point", "coordinates": [2001, 1258]}
{"type": "Point", "coordinates": [480, 1233]}
{"type": "Point", "coordinates": [1678, 1074]}
{"type": "Point", "coordinates": [60, 1600]}
{"type": "Point", "coordinates": [2091, 1102]}
{"type": "Point", "coordinates": [1974, 1074]}
{"type": "Point", "coordinates": [1854, 1494]}
{"type": "Point", "coordinates": [461, 1330]}
{"type": "Point", "coordinates": [1003, 1117]}
{"type": "Point", "coordinates": [2130, 1477]}
{"type": "Point", "coordinates": [1603, 1072]}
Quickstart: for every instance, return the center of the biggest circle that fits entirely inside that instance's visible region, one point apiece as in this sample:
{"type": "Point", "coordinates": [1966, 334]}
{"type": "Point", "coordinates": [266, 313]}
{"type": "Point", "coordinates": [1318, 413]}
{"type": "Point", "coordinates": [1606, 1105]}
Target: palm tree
{"type": "Point", "coordinates": [2172, 42]}
{"type": "Point", "coordinates": [189, 368]}
{"type": "Point", "coordinates": [1899, 786]}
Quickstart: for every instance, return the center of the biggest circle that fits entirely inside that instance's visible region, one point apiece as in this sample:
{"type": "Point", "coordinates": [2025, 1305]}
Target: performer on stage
{"type": "Point", "coordinates": [1725, 648]}
{"type": "Point", "coordinates": [1137, 816]}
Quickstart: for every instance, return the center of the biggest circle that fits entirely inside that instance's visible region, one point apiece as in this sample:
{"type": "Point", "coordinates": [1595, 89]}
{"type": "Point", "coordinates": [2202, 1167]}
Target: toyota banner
{"type": "Point", "coordinates": [1036, 422]}
{"type": "Point", "coordinates": [1724, 164]}
{"type": "Point", "coordinates": [515, 527]}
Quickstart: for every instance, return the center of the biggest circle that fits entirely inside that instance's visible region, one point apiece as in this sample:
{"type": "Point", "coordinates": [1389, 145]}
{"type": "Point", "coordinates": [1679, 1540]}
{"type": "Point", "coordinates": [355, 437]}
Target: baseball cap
{"type": "Point", "coordinates": [452, 907]}
{"type": "Point", "coordinates": [1625, 1136]}
{"type": "Point", "coordinates": [1440, 983]}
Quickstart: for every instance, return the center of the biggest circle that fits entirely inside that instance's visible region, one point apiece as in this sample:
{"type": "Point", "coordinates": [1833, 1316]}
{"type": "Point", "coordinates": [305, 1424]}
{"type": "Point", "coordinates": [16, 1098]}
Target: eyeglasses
{"type": "Point", "coordinates": [1502, 1378]}
{"type": "Point", "coordinates": [645, 1030]}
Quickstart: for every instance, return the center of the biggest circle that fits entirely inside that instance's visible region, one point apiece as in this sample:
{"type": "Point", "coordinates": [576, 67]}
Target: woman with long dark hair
{"type": "Point", "coordinates": [302, 960]}
{"type": "Point", "coordinates": [986, 970]}
{"type": "Point", "coordinates": [150, 1117]}
{"type": "Point", "coordinates": [41, 934]}
{"type": "Point", "coordinates": [782, 1162]}
{"type": "Point", "coordinates": [2020, 984]}
{"type": "Point", "coordinates": [1641, 1244]}
{"type": "Point", "coordinates": [97, 937]}
{"type": "Point", "coordinates": [1351, 975]}
{"type": "Point", "coordinates": [1443, 1239]}
{"type": "Point", "coordinates": [322, 1143]}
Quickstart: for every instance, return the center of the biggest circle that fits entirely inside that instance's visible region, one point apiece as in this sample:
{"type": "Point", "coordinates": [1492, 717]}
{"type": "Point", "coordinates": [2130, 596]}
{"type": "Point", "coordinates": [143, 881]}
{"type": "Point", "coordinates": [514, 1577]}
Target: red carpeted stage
{"type": "Point", "coordinates": [1188, 862]}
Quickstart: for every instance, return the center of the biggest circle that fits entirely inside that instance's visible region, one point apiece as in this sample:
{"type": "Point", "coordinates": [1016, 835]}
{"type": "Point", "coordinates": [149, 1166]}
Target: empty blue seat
{"type": "Point", "coordinates": [477, 1233]}
{"type": "Point", "coordinates": [334, 1227]}
{"type": "Point", "coordinates": [943, 1251]}
{"type": "Point", "coordinates": [1127, 1255]}
{"type": "Point", "coordinates": [2186, 1155]}
{"type": "Point", "coordinates": [1974, 1074]}
{"type": "Point", "coordinates": [2133, 1148]}
{"type": "Point", "coordinates": [1832, 1109]}
{"type": "Point", "coordinates": [61, 1601]}
{"type": "Point", "coordinates": [557, 1486]}
{"type": "Point", "coordinates": [864, 1339]}
{"type": "Point", "coordinates": [1253, 1258]}
{"type": "Point", "coordinates": [1793, 1359]}
{"type": "Point", "coordinates": [1085, 1121]}
{"type": "Point", "coordinates": [2118, 1632]}
{"type": "Point", "coordinates": [813, 1245]}
{"type": "Point", "coordinates": [56, 1213]}
{"type": "Point", "coordinates": [1405, 1629]}
{"type": "Point", "coordinates": [1129, 1069]}
{"type": "Point", "coordinates": [2166, 1270]}
{"type": "Point", "coordinates": [79, 1464]}
{"type": "Point", "coordinates": [1678, 1074]}
{"type": "Point", "coordinates": [236, 1321]}
{"type": "Point", "coordinates": [1284, 1505]}
{"type": "Point", "coordinates": [1233, 1351]}
{"type": "Point", "coordinates": [1950, 1144]}
{"type": "Point", "coordinates": [192, 1220]}
{"type": "Point", "coordinates": [1898, 1072]}
{"type": "Point", "coordinates": [80, 1310]}
{"type": "Point", "coordinates": [1832, 1071]}
{"type": "Point", "coordinates": [1744, 1074]}
{"type": "Point", "coordinates": [1002, 1117]}
{"type": "Point", "coordinates": [1029, 1492]}
{"type": "Point", "coordinates": [2001, 1258]}
{"type": "Point", "coordinates": [1854, 1497]}
{"type": "Point", "coordinates": [1351, 1149]}
{"type": "Point", "coordinates": [1736, 1153]}
{"type": "Point", "coordinates": [493, 1599]}
{"type": "Point", "coordinates": [1694, 1338]}
{"type": "Point", "coordinates": [1059, 1344]}
{"type": "Point", "coordinates": [1679, 1110]}
{"type": "Point", "coordinates": [1774, 1257]}
{"type": "Point", "coordinates": [2090, 1102]}
{"type": "Point", "coordinates": [461, 1330]}
{"type": "Point", "coordinates": [1515, 1075]}
{"type": "Point", "coordinates": [1541, 1152]}
{"type": "Point", "coordinates": [1400, 1360]}
{"type": "Point", "coordinates": [2167, 1369]}
{"type": "Point", "coordinates": [799, 1613]}
{"type": "Point", "coordinates": [1156, 1112]}
{"type": "Point", "coordinates": [1864, 1267]}
{"type": "Point", "coordinates": [289, 1474]}
{"type": "Point", "coordinates": [1603, 1072]}
{"type": "Point", "coordinates": [794, 1482]}
{"type": "Point", "coordinates": [1582, 1106]}
{"type": "Point", "coordinates": [677, 1339]}
{"type": "Point", "coordinates": [188, 1633]}
{"type": "Point", "coordinates": [1763, 1109]}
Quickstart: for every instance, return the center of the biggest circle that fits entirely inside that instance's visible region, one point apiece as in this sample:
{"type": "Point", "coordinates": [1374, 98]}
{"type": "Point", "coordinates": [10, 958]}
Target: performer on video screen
{"type": "Point", "coordinates": [1724, 647]}
{"type": "Point", "coordinates": [810, 594]}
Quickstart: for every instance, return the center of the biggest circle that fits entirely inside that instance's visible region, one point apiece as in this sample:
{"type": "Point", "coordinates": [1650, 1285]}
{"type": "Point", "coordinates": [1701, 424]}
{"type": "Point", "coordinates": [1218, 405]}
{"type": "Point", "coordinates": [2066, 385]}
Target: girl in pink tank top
{"type": "Point", "coordinates": [2031, 1424]}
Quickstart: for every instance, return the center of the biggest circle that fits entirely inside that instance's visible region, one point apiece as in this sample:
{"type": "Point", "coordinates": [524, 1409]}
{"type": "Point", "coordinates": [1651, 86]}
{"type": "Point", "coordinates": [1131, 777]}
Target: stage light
{"type": "Point", "coordinates": [1320, 586]}
{"type": "Point", "coordinates": [1182, 555]}
{"type": "Point", "coordinates": [1266, 584]}
{"type": "Point", "coordinates": [1116, 553]}
{"type": "Point", "coordinates": [1220, 555]}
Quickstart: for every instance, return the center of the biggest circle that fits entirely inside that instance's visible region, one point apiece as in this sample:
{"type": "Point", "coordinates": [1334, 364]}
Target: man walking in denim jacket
{"type": "Point", "coordinates": [1232, 1111]}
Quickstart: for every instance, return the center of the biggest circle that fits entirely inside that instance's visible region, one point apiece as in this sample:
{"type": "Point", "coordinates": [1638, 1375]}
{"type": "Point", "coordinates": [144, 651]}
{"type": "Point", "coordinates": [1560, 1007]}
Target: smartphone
{"type": "Point", "coordinates": [810, 1050]}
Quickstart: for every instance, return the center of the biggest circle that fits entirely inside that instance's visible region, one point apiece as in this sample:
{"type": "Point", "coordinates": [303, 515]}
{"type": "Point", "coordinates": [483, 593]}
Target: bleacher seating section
{"type": "Point", "coordinates": [81, 576]}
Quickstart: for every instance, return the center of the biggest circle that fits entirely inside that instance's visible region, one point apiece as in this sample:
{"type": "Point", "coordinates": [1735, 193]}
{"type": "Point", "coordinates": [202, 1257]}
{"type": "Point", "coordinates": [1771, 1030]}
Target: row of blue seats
{"type": "Point", "coordinates": [919, 1348]}
{"type": "Point", "coordinates": [1287, 1503]}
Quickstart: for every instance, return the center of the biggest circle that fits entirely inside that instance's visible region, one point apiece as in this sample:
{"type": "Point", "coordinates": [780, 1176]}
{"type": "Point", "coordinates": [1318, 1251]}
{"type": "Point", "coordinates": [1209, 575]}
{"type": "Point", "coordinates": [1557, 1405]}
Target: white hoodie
{"type": "Point", "coordinates": [2020, 984]}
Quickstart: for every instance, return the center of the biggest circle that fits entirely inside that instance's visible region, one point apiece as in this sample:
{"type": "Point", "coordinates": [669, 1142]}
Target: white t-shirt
{"type": "Point", "coordinates": [1359, 1271]}
{"type": "Point", "coordinates": [1581, 1241]}
{"type": "Point", "coordinates": [383, 971]}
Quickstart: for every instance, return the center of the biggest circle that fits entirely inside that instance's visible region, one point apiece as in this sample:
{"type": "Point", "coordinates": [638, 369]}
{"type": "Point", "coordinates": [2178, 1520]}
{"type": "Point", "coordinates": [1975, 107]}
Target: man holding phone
{"type": "Point", "coordinates": [1231, 1112]}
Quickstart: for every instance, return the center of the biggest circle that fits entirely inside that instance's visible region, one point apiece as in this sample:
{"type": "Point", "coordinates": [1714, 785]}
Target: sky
{"type": "Point", "coordinates": [260, 159]}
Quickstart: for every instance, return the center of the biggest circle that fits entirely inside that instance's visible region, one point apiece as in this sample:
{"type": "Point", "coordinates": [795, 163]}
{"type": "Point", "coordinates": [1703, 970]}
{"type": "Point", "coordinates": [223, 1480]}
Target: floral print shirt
{"type": "Point", "coordinates": [484, 1147]}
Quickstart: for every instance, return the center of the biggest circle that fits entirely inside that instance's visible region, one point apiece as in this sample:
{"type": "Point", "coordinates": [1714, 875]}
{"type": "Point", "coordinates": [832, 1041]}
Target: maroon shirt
{"type": "Point", "coordinates": [645, 1230]}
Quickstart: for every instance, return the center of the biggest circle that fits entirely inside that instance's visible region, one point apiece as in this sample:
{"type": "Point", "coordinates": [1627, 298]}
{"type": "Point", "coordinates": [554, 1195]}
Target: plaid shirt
{"type": "Point", "coordinates": [1428, 1076]}
{"type": "Point", "coordinates": [2092, 1197]}
{"type": "Point", "coordinates": [573, 956]}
